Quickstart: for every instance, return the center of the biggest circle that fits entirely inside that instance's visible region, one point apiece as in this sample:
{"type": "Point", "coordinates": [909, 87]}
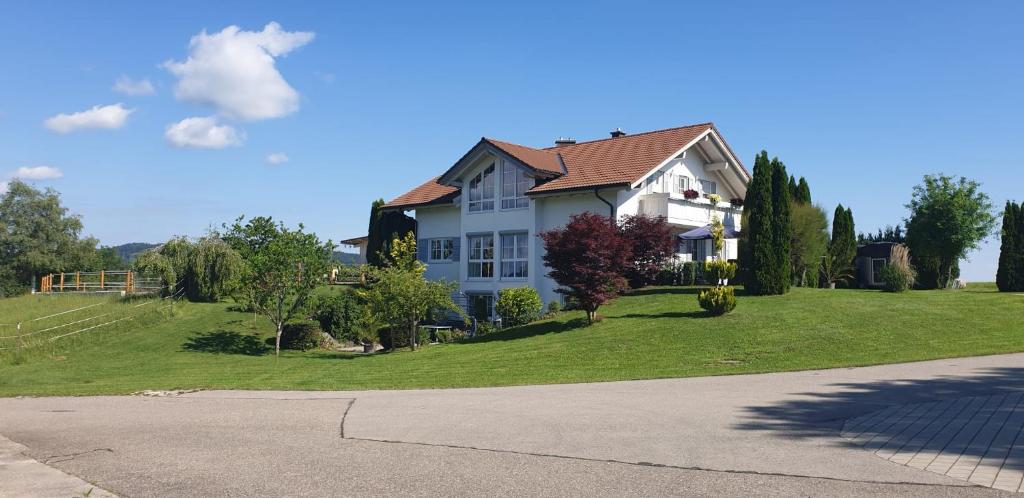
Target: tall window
{"type": "Point", "coordinates": [481, 190]}
{"type": "Point", "coordinates": [514, 184]}
{"type": "Point", "coordinates": [481, 256]}
{"type": "Point", "coordinates": [709, 187]}
{"type": "Point", "coordinates": [441, 249]}
{"type": "Point", "coordinates": [514, 255]}
{"type": "Point", "coordinates": [682, 184]}
{"type": "Point", "coordinates": [481, 306]}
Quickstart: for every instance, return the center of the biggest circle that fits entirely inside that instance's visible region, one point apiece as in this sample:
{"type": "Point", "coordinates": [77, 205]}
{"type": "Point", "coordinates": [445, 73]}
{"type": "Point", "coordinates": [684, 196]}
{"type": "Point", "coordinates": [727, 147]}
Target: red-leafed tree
{"type": "Point", "coordinates": [588, 258]}
{"type": "Point", "coordinates": [650, 240]}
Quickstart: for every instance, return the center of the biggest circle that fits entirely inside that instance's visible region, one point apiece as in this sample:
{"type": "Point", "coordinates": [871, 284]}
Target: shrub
{"type": "Point", "coordinates": [689, 273]}
{"type": "Point", "coordinates": [717, 270]}
{"type": "Point", "coordinates": [484, 328]}
{"type": "Point", "coordinates": [518, 306]}
{"type": "Point", "coordinates": [554, 307]}
{"type": "Point", "coordinates": [453, 335]}
{"type": "Point", "coordinates": [337, 315]}
{"type": "Point", "coordinates": [302, 335]}
{"type": "Point", "coordinates": [717, 300]}
{"type": "Point", "coordinates": [898, 275]}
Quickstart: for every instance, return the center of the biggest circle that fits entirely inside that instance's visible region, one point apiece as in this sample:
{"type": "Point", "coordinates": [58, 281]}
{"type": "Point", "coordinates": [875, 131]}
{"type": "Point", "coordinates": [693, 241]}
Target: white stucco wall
{"type": "Point", "coordinates": [440, 222]}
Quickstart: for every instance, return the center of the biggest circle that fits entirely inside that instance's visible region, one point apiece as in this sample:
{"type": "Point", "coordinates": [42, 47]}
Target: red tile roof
{"type": "Point", "coordinates": [597, 163]}
{"type": "Point", "coordinates": [430, 192]}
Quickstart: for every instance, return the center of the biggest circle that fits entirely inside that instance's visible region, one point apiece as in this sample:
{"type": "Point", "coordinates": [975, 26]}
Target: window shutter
{"type": "Point", "coordinates": [422, 249]}
{"type": "Point", "coordinates": [456, 243]}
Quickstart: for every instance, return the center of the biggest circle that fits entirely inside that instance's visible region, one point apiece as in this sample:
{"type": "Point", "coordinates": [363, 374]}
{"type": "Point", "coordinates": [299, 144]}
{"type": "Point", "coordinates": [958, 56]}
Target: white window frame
{"type": "Point", "coordinates": [444, 249]}
{"type": "Point", "coordinates": [705, 190]}
{"type": "Point", "coordinates": [478, 200]}
{"type": "Point", "coordinates": [682, 183]}
{"type": "Point", "coordinates": [478, 257]}
{"type": "Point", "coordinates": [519, 184]}
{"type": "Point", "coordinates": [516, 257]}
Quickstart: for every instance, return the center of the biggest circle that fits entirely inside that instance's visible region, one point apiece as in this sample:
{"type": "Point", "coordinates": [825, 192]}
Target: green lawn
{"type": "Point", "coordinates": [652, 333]}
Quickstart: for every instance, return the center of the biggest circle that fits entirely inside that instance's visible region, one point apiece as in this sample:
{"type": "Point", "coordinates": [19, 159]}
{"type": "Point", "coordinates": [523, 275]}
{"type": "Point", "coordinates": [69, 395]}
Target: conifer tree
{"type": "Point", "coordinates": [803, 192]}
{"type": "Point", "coordinates": [1010, 275]}
{"type": "Point", "coordinates": [781, 221]}
{"type": "Point", "coordinates": [794, 193]}
{"type": "Point", "coordinates": [759, 229]}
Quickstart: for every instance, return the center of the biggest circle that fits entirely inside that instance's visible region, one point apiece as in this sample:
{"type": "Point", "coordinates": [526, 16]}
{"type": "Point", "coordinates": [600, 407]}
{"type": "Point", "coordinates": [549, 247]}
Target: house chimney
{"type": "Point", "coordinates": [618, 133]}
{"type": "Point", "coordinates": [563, 141]}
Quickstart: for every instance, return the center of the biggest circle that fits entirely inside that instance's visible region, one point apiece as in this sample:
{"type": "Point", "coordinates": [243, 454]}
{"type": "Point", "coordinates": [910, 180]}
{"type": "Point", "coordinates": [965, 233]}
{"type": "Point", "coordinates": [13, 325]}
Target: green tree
{"type": "Point", "coordinates": [1010, 274]}
{"type": "Point", "coordinates": [808, 242]}
{"type": "Point", "coordinates": [760, 228]}
{"type": "Point", "coordinates": [282, 268]}
{"type": "Point", "coordinates": [948, 218]}
{"type": "Point", "coordinates": [37, 236]}
{"type": "Point", "coordinates": [794, 193]}
{"type": "Point", "coordinates": [400, 295]}
{"type": "Point", "coordinates": [385, 226]}
{"type": "Point", "coordinates": [843, 247]}
{"type": "Point", "coordinates": [803, 192]}
{"type": "Point", "coordinates": [781, 233]}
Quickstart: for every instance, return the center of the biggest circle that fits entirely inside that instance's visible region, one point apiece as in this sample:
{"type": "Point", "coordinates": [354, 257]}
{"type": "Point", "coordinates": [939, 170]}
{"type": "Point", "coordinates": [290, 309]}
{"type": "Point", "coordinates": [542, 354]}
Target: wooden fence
{"type": "Point", "coordinates": [126, 281]}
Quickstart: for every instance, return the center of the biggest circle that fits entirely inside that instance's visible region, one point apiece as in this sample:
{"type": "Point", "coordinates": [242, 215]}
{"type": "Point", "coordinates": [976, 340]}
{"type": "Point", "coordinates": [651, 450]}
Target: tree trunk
{"type": "Point", "coordinates": [277, 342]}
{"type": "Point", "coordinates": [591, 316]}
{"type": "Point", "coordinates": [412, 335]}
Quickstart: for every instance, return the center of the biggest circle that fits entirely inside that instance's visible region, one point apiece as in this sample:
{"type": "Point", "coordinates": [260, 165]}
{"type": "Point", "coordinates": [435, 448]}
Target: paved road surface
{"type": "Point", "coordinates": [777, 434]}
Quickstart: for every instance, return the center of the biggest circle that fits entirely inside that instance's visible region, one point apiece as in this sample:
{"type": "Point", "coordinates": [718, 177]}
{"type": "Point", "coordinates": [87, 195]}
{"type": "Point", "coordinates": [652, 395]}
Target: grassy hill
{"type": "Point", "coordinates": [652, 333]}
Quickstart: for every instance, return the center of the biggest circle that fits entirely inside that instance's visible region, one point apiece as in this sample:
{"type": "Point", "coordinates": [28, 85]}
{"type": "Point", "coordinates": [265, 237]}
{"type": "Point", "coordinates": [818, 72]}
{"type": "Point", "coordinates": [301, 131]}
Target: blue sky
{"type": "Point", "coordinates": [861, 98]}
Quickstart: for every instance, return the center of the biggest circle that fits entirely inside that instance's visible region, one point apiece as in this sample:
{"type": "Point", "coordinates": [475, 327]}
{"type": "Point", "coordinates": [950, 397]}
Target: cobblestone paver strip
{"type": "Point", "coordinates": [978, 439]}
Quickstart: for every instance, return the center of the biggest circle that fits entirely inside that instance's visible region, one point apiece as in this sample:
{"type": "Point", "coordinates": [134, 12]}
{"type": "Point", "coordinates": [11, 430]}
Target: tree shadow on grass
{"type": "Point", "coordinates": [667, 314]}
{"type": "Point", "coordinates": [226, 342]}
{"type": "Point", "coordinates": [822, 414]}
{"type": "Point", "coordinates": [530, 330]}
{"type": "Point", "coordinates": [665, 291]}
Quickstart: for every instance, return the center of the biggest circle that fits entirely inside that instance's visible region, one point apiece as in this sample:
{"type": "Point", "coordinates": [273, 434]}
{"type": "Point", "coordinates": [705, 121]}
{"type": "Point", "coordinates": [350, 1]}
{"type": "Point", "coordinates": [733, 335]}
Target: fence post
{"type": "Point", "coordinates": [78, 281]}
{"type": "Point", "coordinates": [62, 281]}
{"type": "Point", "coordinates": [101, 279]}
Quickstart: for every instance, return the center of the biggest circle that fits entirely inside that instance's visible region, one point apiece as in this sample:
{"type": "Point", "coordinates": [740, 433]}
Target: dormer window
{"type": "Point", "coordinates": [514, 184]}
{"type": "Point", "coordinates": [481, 191]}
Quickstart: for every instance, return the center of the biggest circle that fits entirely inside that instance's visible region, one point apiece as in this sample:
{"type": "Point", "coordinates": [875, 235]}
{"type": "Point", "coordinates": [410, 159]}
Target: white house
{"type": "Point", "coordinates": [478, 221]}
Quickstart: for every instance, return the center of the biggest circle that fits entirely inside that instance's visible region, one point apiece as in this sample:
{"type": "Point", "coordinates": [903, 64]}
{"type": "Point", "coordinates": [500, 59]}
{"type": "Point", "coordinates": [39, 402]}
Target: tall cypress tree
{"type": "Point", "coordinates": [759, 229]}
{"type": "Point", "coordinates": [1010, 275]}
{"type": "Point", "coordinates": [803, 192]}
{"type": "Point", "coordinates": [781, 222]}
{"type": "Point", "coordinates": [794, 193]}
{"type": "Point", "coordinates": [374, 235]}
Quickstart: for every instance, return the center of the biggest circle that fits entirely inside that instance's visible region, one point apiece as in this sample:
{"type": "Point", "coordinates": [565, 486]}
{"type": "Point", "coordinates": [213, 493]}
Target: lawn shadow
{"type": "Point", "coordinates": [530, 330]}
{"type": "Point", "coordinates": [667, 314]}
{"type": "Point", "coordinates": [665, 291]}
{"type": "Point", "coordinates": [225, 342]}
{"type": "Point", "coordinates": [822, 414]}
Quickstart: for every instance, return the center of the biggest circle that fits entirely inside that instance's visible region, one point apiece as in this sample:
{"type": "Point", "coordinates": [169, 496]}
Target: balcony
{"type": "Point", "coordinates": [684, 212]}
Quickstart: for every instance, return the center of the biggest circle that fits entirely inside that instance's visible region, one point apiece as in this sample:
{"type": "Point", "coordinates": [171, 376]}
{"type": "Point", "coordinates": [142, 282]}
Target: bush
{"type": "Point", "coordinates": [304, 335]}
{"type": "Point", "coordinates": [554, 307]}
{"type": "Point", "coordinates": [688, 275]}
{"type": "Point", "coordinates": [453, 335]}
{"type": "Point", "coordinates": [484, 328]}
{"type": "Point", "coordinates": [518, 306]}
{"type": "Point", "coordinates": [898, 275]}
{"type": "Point", "coordinates": [338, 315]}
{"type": "Point", "coordinates": [717, 300]}
{"type": "Point", "coordinates": [718, 270]}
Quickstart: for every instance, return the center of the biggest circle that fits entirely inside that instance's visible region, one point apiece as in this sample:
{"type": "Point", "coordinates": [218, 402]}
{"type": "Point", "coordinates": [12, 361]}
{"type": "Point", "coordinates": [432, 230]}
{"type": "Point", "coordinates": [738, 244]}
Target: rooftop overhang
{"type": "Point", "coordinates": [485, 148]}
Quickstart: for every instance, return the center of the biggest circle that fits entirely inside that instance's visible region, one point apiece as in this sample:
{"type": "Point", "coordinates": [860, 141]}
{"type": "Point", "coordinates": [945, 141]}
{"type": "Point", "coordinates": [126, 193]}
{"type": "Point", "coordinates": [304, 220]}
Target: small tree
{"type": "Point", "coordinates": [808, 242]}
{"type": "Point", "coordinates": [518, 306]}
{"type": "Point", "coordinates": [843, 246]}
{"type": "Point", "coordinates": [588, 258]}
{"type": "Point", "coordinates": [717, 236]}
{"type": "Point", "coordinates": [282, 268]}
{"type": "Point", "coordinates": [1010, 274]}
{"type": "Point", "coordinates": [650, 240]}
{"type": "Point", "coordinates": [400, 296]}
{"type": "Point", "coordinates": [948, 218]}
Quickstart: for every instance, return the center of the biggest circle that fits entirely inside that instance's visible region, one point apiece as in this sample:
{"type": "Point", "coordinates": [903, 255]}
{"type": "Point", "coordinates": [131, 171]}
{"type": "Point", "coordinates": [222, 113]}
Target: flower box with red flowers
{"type": "Point", "coordinates": [690, 194]}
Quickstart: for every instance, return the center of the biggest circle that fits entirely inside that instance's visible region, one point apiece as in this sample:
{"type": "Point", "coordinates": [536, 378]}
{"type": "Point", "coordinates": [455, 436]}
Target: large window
{"type": "Point", "coordinates": [441, 250]}
{"type": "Point", "coordinates": [514, 184]}
{"type": "Point", "coordinates": [481, 190]}
{"type": "Point", "coordinates": [709, 187]}
{"type": "Point", "coordinates": [481, 256]}
{"type": "Point", "coordinates": [514, 255]}
{"type": "Point", "coordinates": [480, 306]}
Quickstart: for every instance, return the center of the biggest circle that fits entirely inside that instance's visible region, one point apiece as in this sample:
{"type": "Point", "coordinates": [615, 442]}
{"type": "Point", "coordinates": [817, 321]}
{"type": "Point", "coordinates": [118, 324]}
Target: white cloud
{"type": "Point", "coordinates": [202, 133]}
{"type": "Point", "coordinates": [38, 173]}
{"type": "Point", "coordinates": [3, 188]}
{"type": "Point", "coordinates": [129, 86]}
{"type": "Point", "coordinates": [277, 158]}
{"type": "Point", "coordinates": [233, 72]}
{"type": "Point", "coordinates": [105, 117]}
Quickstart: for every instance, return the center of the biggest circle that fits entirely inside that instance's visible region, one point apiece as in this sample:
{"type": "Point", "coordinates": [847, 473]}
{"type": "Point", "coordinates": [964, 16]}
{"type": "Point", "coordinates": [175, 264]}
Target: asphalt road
{"type": "Point", "coordinates": [772, 434]}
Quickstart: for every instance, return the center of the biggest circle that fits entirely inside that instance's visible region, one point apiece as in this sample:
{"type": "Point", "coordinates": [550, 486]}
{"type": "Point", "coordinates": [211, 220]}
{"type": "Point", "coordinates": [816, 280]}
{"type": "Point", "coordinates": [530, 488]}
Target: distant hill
{"type": "Point", "coordinates": [129, 251]}
{"type": "Point", "coordinates": [346, 258]}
